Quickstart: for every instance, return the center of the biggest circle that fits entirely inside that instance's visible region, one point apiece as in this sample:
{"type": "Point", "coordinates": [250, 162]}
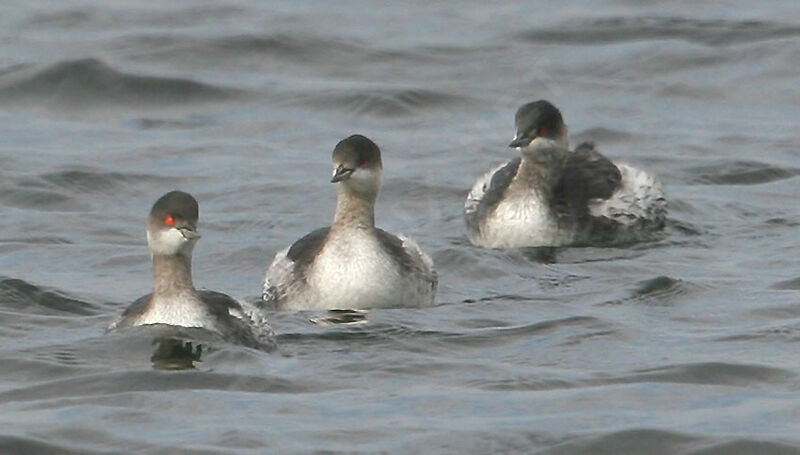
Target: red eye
{"type": "Point", "coordinates": [542, 131]}
{"type": "Point", "coordinates": [362, 162]}
{"type": "Point", "coordinates": [169, 220]}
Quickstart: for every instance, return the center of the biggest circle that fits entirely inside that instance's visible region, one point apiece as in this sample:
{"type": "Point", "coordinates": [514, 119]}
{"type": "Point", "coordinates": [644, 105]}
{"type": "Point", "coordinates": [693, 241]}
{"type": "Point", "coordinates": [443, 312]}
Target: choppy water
{"type": "Point", "coordinates": [685, 344]}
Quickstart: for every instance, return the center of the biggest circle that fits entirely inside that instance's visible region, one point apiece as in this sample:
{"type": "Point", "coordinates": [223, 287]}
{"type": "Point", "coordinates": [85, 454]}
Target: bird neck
{"type": "Point", "coordinates": [542, 163]}
{"type": "Point", "coordinates": [354, 209]}
{"type": "Point", "coordinates": [172, 275]}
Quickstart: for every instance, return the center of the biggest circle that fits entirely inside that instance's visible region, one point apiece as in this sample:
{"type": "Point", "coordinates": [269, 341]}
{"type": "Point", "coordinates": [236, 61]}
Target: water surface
{"type": "Point", "coordinates": [686, 343]}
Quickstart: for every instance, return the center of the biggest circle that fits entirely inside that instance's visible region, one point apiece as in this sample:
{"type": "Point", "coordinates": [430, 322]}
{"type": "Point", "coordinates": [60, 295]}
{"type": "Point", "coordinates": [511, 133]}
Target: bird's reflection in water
{"type": "Point", "coordinates": [345, 317]}
{"type": "Point", "coordinates": [175, 354]}
{"type": "Point", "coordinates": [541, 254]}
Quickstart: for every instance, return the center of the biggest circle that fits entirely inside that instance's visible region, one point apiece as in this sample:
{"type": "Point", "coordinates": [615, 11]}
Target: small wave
{"type": "Point", "coordinates": [684, 227]}
{"type": "Point", "coordinates": [301, 47]}
{"type": "Point", "coordinates": [521, 384]}
{"type": "Point", "coordinates": [739, 173]}
{"type": "Point", "coordinates": [620, 29]}
{"type": "Point", "coordinates": [782, 333]}
{"type": "Point", "coordinates": [628, 441]}
{"type": "Point", "coordinates": [145, 123]}
{"type": "Point", "coordinates": [91, 83]}
{"type": "Point", "coordinates": [788, 285]}
{"type": "Point", "coordinates": [40, 240]}
{"type": "Point", "coordinates": [77, 180]}
{"type": "Point", "coordinates": [377, 332]}
{"type": "Point", "coordinates": [27, 297]}
{"type": "Point", "coordinates": [289, 47]}
{"type": "Point", "coordinates": [660, 290]}
{"type": "Point", "coordinates": [716, 373]}
{"type": "Point", "coordinates": [781, 222]}
{"type": "Point", "coordinates": [747, 446]}
{"type": "Point", "coordinates": [40, 199]}
{"type": "Point", "coordinates": [498, 336]}
{"type": "Point", "coordinates": [657, 442]}
{"type": "Point", "coordinates": [133, 381]}
{"type": "Point", "coordinates": [694, 92]}
{"type": "Point", "coordinates": [269, 50]}
{"type": "Point", "coordinates": [33, 445]}
{"type": "Point", "coordinates": [74, 18]}
{"type": "Point", "coordinates": [657, 286]}
{"type": "Point", "coordinates": [61, 190]}
{"type": "Point", "coordinates": [389, 103]}
{"type": "Point", "coordinates": [98, 18]}
{"type": "Point", "coordinates": [87, 180]}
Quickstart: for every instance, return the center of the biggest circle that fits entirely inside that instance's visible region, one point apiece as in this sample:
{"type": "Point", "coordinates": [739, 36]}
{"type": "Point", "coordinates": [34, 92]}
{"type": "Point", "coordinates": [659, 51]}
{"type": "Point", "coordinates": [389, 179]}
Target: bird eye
{"type": "Point", "coordinates": [362, 162]}
{"type": "Point", "coordinates": [542, 131]}
{"type": "Point", "coordinates": [169, 221]}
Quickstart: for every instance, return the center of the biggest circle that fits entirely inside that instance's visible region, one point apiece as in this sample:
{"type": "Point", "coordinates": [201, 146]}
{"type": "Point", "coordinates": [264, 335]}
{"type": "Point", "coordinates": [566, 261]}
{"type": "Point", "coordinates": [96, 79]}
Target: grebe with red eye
{"type": "Point", "coordinates": [351, 264]}
{"type": "Point", "coordinates": [551, 196]}
{"type": "Point", "coordinates": [171, 236]}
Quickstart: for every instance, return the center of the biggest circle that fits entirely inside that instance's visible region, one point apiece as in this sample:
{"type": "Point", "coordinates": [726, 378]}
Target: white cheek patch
{"type": "Point", "coordinates": [541, 143]}
{"type": "Point", "coordinates": [167, 242]}
{"type": "Point", "coordinates": [365, 180]}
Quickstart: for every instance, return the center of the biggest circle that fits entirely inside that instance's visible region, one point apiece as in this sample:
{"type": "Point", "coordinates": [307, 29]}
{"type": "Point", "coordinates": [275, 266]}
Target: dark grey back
{"type": "Point", "coordinates": [303, 251]}
{"type": "Point", "coordinates": [134, 310]}
{"type": "Point", "coordinates": [586, 175]}
{"type": "Point", "coordinates": [498, 185]}
{"type": "Point", "coordinates": [393, 246]}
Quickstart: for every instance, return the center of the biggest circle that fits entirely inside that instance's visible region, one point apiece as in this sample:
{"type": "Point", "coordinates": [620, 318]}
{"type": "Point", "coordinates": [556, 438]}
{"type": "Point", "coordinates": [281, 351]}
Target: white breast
{"type": "Point", "coordinates": [353, 271]}
{"type": "Point", "coordinates": [522, 220]}
{"type": "Point", "coordinates": [184, 310]}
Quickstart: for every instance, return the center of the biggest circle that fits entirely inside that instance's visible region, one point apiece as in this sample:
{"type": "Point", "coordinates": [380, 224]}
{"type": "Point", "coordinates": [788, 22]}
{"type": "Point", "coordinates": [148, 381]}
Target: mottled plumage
{"type": "Point", "coordinates": [549, 196]}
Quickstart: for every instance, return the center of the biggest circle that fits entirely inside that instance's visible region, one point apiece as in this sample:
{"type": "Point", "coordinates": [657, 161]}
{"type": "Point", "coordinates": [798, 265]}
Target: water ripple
{"type": "Point", "coordinates": [382, 102]}
{"type": "Point", "coordinates": [660, 442]}
{"type": "Point", "coordinates": [138, 381]}
{"type": "Point", "coordinates": [92, 83]}
{"type": "Point", "coordinates": [29, 298]}
{"type": "Point", "coordinates": [717, 373]}
{"type": "Point", "coordinates": [619, 29]}
{"type": "Point", "coordinates": [739, 173]}
{"type": "Point", "coordinates": [267, 50]}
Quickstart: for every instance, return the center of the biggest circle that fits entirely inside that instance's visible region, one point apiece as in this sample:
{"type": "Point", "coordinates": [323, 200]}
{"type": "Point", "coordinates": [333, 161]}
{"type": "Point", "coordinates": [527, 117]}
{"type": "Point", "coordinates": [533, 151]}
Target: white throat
{"type": "Point", "coordinates": [544, 151]}
{"type": "Point", "coordinates": [169, 242]}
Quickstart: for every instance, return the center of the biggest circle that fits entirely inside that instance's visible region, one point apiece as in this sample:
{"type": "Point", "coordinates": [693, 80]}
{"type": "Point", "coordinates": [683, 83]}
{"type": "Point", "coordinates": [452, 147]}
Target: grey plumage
{"type": "Point", "coordinates": [586, 175]}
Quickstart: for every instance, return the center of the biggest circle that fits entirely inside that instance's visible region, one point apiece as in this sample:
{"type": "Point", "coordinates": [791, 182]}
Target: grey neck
{"type": "Point", "coordinates": [541, 168]}
{"type": "Point", "coordinates": [172, 275]}
{"type": "Point", "coordinates": [354, 209]}
{"type": "Point", "coordinates": [529, 175]}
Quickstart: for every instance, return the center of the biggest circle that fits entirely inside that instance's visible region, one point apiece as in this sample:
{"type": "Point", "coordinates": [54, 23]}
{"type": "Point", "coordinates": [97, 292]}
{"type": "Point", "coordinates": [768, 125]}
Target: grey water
{"type": "Point", "coordinates": [686, 343]}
